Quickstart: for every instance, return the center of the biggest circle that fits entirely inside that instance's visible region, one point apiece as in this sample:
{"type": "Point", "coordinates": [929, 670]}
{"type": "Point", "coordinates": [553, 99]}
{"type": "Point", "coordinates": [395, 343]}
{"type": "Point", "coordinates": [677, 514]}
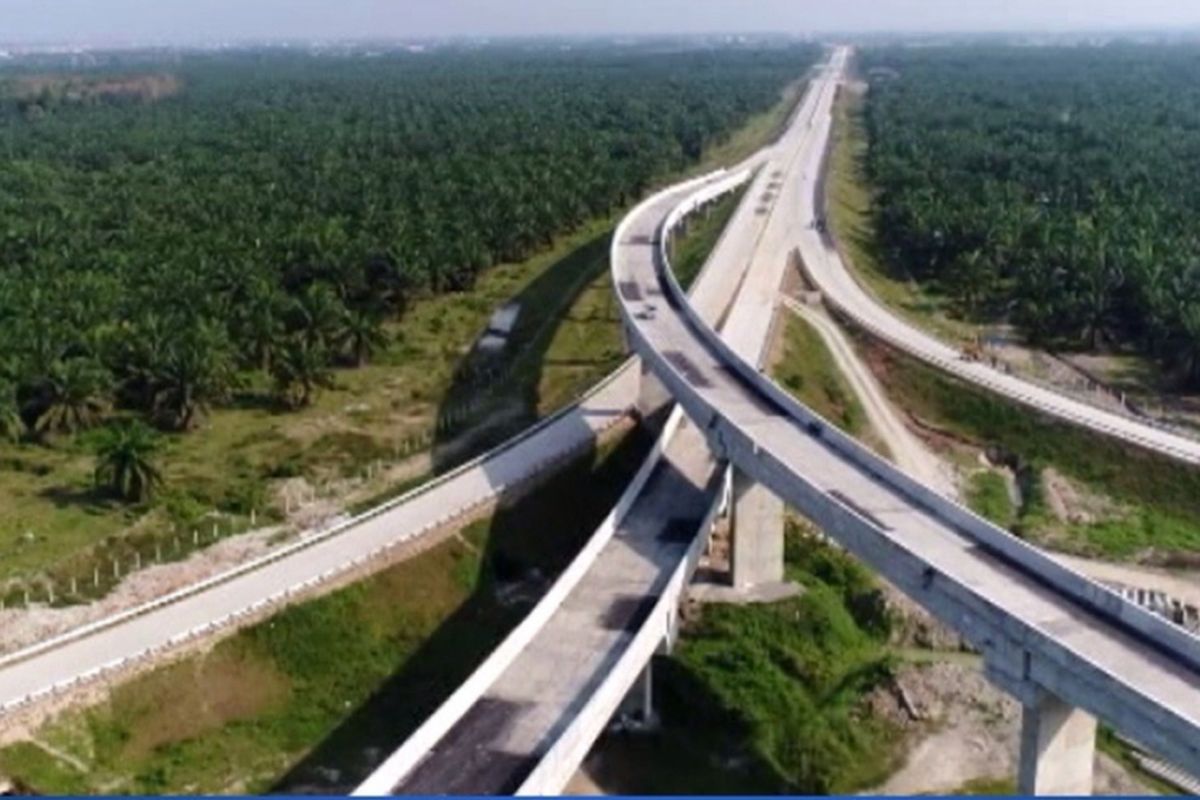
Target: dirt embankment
{"type": "Point", "coordinates": [21, 627]}
{"type": "Point", "coordinates": [962, 730]}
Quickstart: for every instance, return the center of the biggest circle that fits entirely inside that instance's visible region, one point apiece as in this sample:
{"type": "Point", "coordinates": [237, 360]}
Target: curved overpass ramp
{"type": "Point", "coordinates": [40, 675]}
{"type": "Point", "coordinates": [824, 266]}
{"type": "Point", "coordinates": [527, 717]}
{"type": "Point", "coordinates": [1044, 630]}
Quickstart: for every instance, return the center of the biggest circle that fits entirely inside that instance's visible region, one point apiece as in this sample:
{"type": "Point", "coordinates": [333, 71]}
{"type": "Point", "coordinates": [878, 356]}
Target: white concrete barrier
{"type": "Point", "coordinates": [1006, 640]}
{"type": "Point", "coordinates": [1095, 596]}
{"type": "Point", "coordinates": [562, 759]}
{"type": "Point", "coordinates": [392, 771]}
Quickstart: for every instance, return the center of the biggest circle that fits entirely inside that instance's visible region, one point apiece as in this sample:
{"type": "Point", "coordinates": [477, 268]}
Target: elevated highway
{"type": "Point", "coordinates": [1069, 649]}
{"type": "Point", "coordinates": [528, 716]}
{"type": "Point", "coordinates": [824, 266]}
{"type": "Point", "coordinates": [1061, 643]}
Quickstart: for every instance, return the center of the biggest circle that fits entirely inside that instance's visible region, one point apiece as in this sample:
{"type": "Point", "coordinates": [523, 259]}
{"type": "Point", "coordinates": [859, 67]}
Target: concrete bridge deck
{"type": "Point", "coordinates": [1039, 627]}
{"type": "Point", "coordinates": [493, 748]}
{"type": "Point", "coordinates": [524, 715]}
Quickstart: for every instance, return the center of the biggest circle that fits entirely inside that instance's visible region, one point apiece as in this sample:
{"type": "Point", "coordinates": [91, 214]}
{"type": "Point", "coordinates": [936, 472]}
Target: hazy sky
{"type": "Point", "coordinates": [206, 20]}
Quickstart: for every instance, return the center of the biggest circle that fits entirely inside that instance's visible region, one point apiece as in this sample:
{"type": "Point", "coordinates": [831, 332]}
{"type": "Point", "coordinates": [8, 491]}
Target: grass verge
{"type": "Point", "coordinates": [986, 787]}
{"type": "Point", "coordinates": [414, 395]}
{"type": "Point", "coordinates": [313, 697]}
{"type": "Point", "coordinates": [766, 698]}
{"type": "Point", "coordinates": [1158, 514]}
{"type": "Point", "coordinates": [691, 250]}
{"type": "Point", "coordinates": [802, 364]}
{"type": "Point", "coordinates": [987, 495]}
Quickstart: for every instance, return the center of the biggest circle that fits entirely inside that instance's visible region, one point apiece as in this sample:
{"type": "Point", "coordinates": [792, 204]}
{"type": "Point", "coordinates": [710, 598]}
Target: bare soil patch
{"type": "Point", "coordinates": [167, 708]}
{"type": "Point", "coordinates": [962, 730]}
{"type": "Point", "coordinates": [82, 88]}
{"type": "Point", "coordinates": [1071, 502]}
{"type": "Point", "coordinates": [22, 627]}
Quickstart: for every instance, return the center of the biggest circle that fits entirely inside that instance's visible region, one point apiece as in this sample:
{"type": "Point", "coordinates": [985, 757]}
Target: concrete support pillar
{"type": "Point", "coordinates": [638, 705]}
{"type": "Point", "coordinates": [652, 395]}
{"type": "Point", "coordinates": [726, 508]}
{"type": "Point", "coordinates": [1058, 748]}
{"type": "Point", "coordinates": [646, 686]}
{"type": "Point", "coordinates": [756, 549]}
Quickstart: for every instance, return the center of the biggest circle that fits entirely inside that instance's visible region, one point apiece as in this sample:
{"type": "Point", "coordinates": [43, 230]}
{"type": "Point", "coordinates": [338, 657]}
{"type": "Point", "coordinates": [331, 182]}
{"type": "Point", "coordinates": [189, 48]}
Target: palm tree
{"type": "Point", "coordinates": [392, 281]}
{"type": "Point", "coordinates": [318, 315]}
{"type": "Point", "coordinates": [363, 334]}
{"type": "Point", "coordinates": [124, 461]}
{"type": "Point", "coordinates": [198, 371]}
{"type": "Point", "coordinates": [74, 396]}
{"type": "Point", "coordinates": [1097, 282]}
{"type": "Point", "coordinates": [972, 280]}
{"type": "Point", "coordinates": [258, 324]}
{"type": "Point", "coordinates": [135, 349]}
{"type": "Point", "coordinates": [299, 371]}
{"type": "Point", "coordinates": [12, 427]}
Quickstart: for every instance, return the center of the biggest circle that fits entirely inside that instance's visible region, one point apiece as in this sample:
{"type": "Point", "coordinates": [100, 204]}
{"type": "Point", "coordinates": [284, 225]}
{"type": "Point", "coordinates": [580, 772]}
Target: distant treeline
{"type": "Point", "coordinates": [1056, 187]}
{"type": "Point", "coordinates": [268, 214]}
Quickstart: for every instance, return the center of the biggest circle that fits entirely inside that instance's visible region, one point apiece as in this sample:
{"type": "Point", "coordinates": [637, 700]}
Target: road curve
{"type": "Point", "coordinates": [909, 452]}
{"type": "Point", "coordinates": [828, 272]}
{"type": "Point", "coordinates": [39, 673]}
{"type": "Point", "coordinates": [59, 666]}
{"type": "Point", "coordinates": [1039, 625]}
{"type": "Point", "coordinates": [526, 718]}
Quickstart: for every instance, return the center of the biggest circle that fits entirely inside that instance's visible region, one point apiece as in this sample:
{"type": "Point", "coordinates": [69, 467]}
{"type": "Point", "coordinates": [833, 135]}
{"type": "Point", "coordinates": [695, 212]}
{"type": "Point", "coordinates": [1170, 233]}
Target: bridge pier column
{"type": "Point", "coordinates": [756, 546]}
{"type": "Point", "coordinates": [638, 704]}
{"type": "Point", "coordinates": [646, 688]}
{"type": "Point", "coordinates": [1058, 748]}
{"type": "Point", "coordinates": [652, 395]}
